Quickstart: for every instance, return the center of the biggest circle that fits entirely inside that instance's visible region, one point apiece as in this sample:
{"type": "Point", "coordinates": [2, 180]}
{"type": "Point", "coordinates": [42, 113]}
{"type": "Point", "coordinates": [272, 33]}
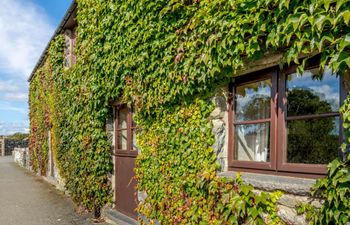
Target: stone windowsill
{"type": "Point", "coordinates": [291, 185]}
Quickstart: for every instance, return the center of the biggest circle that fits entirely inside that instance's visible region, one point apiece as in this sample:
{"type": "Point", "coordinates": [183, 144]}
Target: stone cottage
{"type": "Point", "coordinates": [275, 126]}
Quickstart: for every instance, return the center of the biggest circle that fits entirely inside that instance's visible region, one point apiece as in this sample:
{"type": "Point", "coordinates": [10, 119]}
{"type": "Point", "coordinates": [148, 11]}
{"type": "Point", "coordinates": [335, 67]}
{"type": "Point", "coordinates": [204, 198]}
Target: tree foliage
{"type": "Point", "coordinates": [17, 136]}
{"type": "Point", "coordinates": [305, 143]}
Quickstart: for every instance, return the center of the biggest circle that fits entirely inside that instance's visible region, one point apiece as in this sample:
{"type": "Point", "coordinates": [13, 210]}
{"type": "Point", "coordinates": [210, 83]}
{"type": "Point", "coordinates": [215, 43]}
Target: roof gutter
{"type": "Point", "coordinates": [58, 31]}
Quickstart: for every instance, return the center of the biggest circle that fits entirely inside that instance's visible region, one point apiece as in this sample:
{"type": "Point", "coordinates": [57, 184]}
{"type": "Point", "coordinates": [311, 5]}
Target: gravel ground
{"type": "Point", "coordinates": [26, 199]}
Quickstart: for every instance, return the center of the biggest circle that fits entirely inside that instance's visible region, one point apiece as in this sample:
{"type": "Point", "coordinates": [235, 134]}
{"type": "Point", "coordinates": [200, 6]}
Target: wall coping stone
{"type": "Point", "coordinates": [292, 185]}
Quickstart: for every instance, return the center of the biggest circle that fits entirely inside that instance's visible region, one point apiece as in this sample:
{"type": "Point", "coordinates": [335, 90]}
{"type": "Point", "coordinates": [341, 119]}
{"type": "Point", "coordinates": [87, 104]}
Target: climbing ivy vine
{"type": "Point", "coordinates": [164, 58]}
{"type": "Point", "coordinates": [177, 169]}
{"type": "Point", "coordinates": [43, 98]}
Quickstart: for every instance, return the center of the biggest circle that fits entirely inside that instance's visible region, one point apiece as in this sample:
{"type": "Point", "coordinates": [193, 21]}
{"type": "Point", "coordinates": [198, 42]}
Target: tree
{"type": "Point", "coordinates": [314, 141]}
{"type": "Point", "coordinates": [18, 136]}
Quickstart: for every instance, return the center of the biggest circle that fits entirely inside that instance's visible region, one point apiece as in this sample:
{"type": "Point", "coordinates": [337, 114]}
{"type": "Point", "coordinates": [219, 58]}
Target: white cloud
{"type": "Point", "coordinates": [11, 128]}
{"type": "Point", "coordinates": [13, 109]}
{"type": "Point", "coordinates": [16, 96]}
{"type": "Point", "coordinates": [24, 33]}
{"type": "Point", "coordinates": [8, 86]}
{"type": "Point", "coordinates": [329, 94]}
{"type": "Point", "coordinates": [13, 91]}
{"type": "Point", "coordinates": [9, 106]}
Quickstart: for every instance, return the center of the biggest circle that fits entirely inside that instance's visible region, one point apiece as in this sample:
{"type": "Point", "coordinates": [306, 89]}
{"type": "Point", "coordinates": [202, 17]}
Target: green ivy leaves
{"type": "Point", "coordinates": [160, 56]}
{"type": "Point", "coordinates": [79, 145]}
{"type": "Point", "coordinates": [177, 169]}
{"type": "Point", "coordinates": [214, 37]}
{"type": "Point", "coordinates": [43, 97]}
{"type": "Point", "coordinates": [335, 190]}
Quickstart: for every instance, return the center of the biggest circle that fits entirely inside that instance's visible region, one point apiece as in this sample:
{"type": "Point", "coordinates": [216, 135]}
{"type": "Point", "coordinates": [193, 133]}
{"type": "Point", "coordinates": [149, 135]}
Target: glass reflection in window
{"type": "Point", "coordinates": [313, 141]}
{"type": "Point", "coordinates": [310, 93]}
{"type": "Point", "coordinates": [253, 101]}
{"type": "Point", "coordinates": [123, 140]}
{"type": "Point", "coordinates": [122, 118]}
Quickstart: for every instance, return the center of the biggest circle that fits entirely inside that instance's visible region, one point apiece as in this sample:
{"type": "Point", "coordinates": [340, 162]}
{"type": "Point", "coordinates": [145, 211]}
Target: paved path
{"type": "Point", "coordinates": [27, 200]}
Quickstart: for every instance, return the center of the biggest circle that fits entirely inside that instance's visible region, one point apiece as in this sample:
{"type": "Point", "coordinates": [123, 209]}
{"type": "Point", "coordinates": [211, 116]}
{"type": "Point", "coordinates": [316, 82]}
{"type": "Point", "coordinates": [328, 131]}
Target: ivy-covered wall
{"type": "Point", "coordinates": [43, 102]}
{"type": "Point", "coordinates": [166, 58]}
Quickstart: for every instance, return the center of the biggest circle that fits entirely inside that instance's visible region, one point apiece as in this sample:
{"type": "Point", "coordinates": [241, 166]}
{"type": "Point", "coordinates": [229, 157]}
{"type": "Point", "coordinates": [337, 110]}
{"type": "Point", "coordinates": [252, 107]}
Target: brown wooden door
{"type": "Point", "coordinates": [126, 195]}
{"type": "Point", "coordinates": [125, 155]}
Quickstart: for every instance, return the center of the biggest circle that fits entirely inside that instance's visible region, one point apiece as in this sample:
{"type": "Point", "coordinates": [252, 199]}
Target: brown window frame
{"type": "Point", "coordinates": [231, 118]}
{"type": "Point", "coordinates": [130, 128]}
{"type": "Point", "coordinates": [277, 163]}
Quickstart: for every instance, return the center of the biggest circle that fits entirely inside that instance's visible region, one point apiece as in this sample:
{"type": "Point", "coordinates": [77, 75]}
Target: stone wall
{"type": "Point", "coordinates": [219, 117]}
{"type": "Point", "coordinates": [295, 190]}
{"type": "Point", "coordinates": [11, 144]}
{"type": "Point", "coordinates": [21, 157]}
{"type": "Point", "coordinates": [2, 146]}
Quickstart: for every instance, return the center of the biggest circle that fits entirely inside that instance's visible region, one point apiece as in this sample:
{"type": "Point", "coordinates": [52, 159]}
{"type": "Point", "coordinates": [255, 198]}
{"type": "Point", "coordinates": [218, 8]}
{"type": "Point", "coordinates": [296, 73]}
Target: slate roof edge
{"type": "Point", "coordinates": [58, 31]}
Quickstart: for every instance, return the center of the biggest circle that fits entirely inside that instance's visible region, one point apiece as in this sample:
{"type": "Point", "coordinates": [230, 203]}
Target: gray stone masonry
{"type": "Point", "coordinates": [21, 157]}
{"type": "Point", "coordinates": [8, 145]}
{"type": "Point", "coordinates": [220, 130]}
{"type": "Point", "coordinates": [2, 146]}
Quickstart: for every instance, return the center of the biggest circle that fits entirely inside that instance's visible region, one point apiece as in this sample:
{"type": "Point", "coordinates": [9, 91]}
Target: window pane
{"type": "Point", "coordinates": [253, 101]}
{"type": "Point", "coordinates": [312, 94]}
{"type": "Point", "coordinates": [134, 145]}
{"type": "Point", "coordinates": [313, 141]}
{"type": "Point", "coordinates": [122, 140]}
{"type": "Point", "coordinates": [122, 118]}
{"type": "Point", "coordinates": [67, 48]}
{"type": "Point", "coordinates": [252, 142]}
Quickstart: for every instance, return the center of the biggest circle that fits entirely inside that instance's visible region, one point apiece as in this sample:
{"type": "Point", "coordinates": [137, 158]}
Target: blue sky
{"type": "Point", "coordinates": [26, 26]}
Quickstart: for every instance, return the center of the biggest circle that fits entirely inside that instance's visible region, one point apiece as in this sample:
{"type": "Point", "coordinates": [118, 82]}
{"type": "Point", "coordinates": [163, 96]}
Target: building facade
{"type": "Point", "coordinates": [276, 125]}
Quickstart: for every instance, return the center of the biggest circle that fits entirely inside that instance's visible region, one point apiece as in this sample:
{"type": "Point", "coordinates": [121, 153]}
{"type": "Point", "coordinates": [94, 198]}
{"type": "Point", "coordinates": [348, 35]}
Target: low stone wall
{"type": "Point", "coordinates": [21, 157]}
{"type": "Point", "coordinates": [2, 146]}
{"type": "Point", "coordinates": [11, 144]}
{"type": "Point", "coordinates": [8, 145]}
